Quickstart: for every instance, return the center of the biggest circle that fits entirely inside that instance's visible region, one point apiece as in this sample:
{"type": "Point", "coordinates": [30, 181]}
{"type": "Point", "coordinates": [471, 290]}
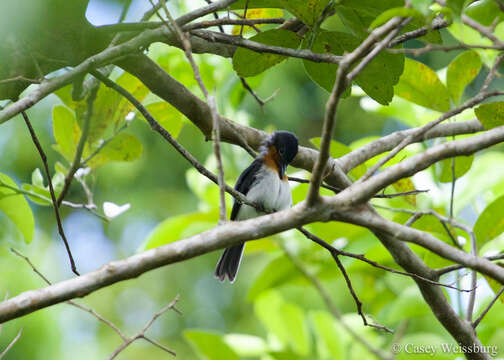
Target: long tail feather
{"type": "Point", "coordinates": [229, 263]}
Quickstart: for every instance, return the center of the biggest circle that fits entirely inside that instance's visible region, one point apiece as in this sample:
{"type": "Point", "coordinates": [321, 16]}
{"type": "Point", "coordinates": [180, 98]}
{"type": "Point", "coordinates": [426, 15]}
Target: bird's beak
{"type": "Point", "coordinates": [283, 167]}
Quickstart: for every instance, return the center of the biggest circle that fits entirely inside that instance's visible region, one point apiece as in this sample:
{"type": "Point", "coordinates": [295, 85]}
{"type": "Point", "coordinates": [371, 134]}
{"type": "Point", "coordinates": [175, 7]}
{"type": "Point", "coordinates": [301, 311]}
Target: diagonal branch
{"type": "Point", "coordinates": [341, 82]}
{"type": "Point", "coordinates": [478, 320]}
{"type": "Point", "coordinates": [51, 191]}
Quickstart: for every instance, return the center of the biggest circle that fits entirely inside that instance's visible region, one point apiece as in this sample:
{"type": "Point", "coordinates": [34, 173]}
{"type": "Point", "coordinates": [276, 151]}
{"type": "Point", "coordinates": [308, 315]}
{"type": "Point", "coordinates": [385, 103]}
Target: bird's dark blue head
{"type": "Point", "coordinates": [282, 146]}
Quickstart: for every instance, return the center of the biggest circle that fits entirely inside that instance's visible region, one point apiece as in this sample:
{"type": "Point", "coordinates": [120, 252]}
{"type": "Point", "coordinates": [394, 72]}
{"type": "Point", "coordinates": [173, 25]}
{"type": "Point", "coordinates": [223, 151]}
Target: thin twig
{"type": "Point", "coordinates": [51, 191]}
{"type": "Point", "coordinates": [220, 167]}
{"type": "Point", "coordinates": [21, 78]}
{"type": "Point", "coordinates": [361, 257]}
{"type": "Point", "coordinates": [11, 344]}
{"type": "Point", "coordinates": [91, 208]}
{"type": "Point", "coordinates": [332, 307]}
{"type": "Point", "coordinates": [358, 303]}
{"type": "Point", "coordinates": [478, 320]}
{"type": "Point", "coordinates": [213, 36]}
{"type": "Point", "coordinates": [260, 101]}
{"type": "Point", "coordinates": [244, 15]}
{"type": "Point", "coordinates": [70, 302]}
{"type": "Point", "coordinates": [216, 16]}
{"type": "Point", "coordinates": [141, 333]}
{"type": "Point", "coordinates": [377, 196]}
{"type": "Point", "coordinates": [423, 129]}
{"type": "Point", "coordinates": [437, 24]}
{"type": "Point", "coordinates": [125, 340]}
{"type": "Point", "coordinates": [450, 268]}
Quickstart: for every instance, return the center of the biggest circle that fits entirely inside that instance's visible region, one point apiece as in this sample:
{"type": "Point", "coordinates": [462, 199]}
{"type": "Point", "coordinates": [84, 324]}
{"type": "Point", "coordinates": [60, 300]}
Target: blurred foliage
{"type": "Point", "coordinates": [272, 312]}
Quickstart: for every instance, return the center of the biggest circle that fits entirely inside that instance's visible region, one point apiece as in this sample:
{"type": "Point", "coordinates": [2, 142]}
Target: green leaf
{"type": "Point", "coordinates": [280, 318]}
{"type": "Point", "coordinates": [173, 228]}
{"type": "Point", "coordinates": [490, 223]}
{"type": "Point", "coordinates": [461, 71]}
{"type": "Point", "coordinates": [122, 147]}
{"type": "Point", "coordinates": [358, 15]}
{"type": "Point", "coordinates": [294, 318]}
{"type": "Point", "coordinates": [66, 131]}
{"type": "Point", "coordinates": [494, 284]}
{"type": "Point", "coordinates": [209, 345]}
{"type": "Point", "coordinates": [490, 115]}
{"type": "Point", "coordinates": [376, 79]}
{"type": "Point", "coordinates": [15, 206]}
{"type": "Point", "coordinates": [246, 345]}
{"type": "Point", "coordinates": [249, 63]}
{"type": "Point", "coordinates": [398, 11]}
{"type": "Point", "coordinates": [444, 168]}
{"type": "Point", "coordinates": [166, 115]}
{"type": "Point", "coordinates": [326, 333]}
{"type": "Point", "coordinates": [456, 6]}
{"type": "Point", "coordinates": [267, 308]}
{"type": "Point", "coordinates": [308, 11]}
{"type": "Point", "coordinates": [421, 5]}
{"type": "Point", "coordinates": [409, 304]}
{"type": "Point", "coordinates": [278, 271]}
{"type": "Point", "coordinates": [420, 85]}
{"type": "Point", "coordinates": [485, 12]}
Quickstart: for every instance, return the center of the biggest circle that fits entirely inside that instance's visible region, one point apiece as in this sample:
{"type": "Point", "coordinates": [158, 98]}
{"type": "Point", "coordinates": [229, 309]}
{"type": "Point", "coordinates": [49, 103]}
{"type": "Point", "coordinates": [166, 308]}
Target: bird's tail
{"type": "Point", "coordinates": [229, 263]}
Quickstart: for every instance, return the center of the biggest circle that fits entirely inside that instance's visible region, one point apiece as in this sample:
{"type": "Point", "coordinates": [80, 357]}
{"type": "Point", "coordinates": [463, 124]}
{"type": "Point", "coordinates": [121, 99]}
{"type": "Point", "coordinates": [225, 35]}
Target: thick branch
{"type": "Point", "coordinates": [229, 234]}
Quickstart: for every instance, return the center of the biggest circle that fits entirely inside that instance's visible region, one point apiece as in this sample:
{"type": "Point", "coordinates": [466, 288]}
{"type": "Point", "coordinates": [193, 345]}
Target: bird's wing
{"type": "Point", "coordinates": [244, 183]}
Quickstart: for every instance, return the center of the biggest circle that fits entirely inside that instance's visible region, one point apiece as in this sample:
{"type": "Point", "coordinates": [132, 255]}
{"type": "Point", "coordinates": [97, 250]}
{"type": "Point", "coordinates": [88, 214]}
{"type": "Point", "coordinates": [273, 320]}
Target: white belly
{"type": "Point", "coordinates": [269, 191]}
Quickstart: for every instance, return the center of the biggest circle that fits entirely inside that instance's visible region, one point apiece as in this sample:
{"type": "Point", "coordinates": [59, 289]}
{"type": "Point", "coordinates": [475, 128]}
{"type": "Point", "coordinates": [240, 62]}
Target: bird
{"type": "Point", "coordinates": [265, 183]}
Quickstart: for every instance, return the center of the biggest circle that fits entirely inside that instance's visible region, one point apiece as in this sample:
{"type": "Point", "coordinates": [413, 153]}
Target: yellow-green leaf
{"type": "Point", "coordinates": [490, 223]}
{"type": "Point", "coordinates": [15, 206]}
{"type": "Point", "coordinates": [122, 147]}
{"type": "Point", "coordinates": [210, 345]}
{"type": "Point", "coordinates": [259, 13]}
{"type": "Point", "coordinates": [168, 116]}
{"type": "Point", "coordinates": [66, 131]}
{"type": "Point", "coordinates": [421, 85]}
{"type": "Point", "coordinates": [461, 71]}
{"type": "Point", "coordinates": [490, 115]}
{"type": "Point", "coordinates": [405, 185]}
{"type": "Point", "coordinates": [444, 168]}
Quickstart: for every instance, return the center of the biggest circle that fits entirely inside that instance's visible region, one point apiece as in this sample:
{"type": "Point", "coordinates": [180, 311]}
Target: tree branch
{"type": "Point", "coordinates": [51, 191]}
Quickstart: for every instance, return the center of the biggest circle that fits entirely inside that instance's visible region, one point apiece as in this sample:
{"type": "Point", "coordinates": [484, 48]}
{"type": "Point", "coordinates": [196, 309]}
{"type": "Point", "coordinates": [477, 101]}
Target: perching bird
{"type": "Point", "coordinates": [265, 183]}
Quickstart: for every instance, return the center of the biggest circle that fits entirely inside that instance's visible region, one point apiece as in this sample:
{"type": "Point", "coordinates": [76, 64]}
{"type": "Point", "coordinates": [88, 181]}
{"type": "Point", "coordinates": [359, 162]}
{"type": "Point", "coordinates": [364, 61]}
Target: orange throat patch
{"type": "Point", "coordinates": [272, 161]}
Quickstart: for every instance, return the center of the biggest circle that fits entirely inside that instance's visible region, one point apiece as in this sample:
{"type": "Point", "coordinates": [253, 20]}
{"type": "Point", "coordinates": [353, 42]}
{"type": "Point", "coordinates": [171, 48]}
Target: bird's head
{"type": "Point", "coordinates": [281, 147]}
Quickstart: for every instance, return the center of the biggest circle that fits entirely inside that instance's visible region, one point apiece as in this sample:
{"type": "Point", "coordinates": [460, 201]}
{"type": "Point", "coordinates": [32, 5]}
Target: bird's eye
{"type": "Point", "coordinates": [282, 151]}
